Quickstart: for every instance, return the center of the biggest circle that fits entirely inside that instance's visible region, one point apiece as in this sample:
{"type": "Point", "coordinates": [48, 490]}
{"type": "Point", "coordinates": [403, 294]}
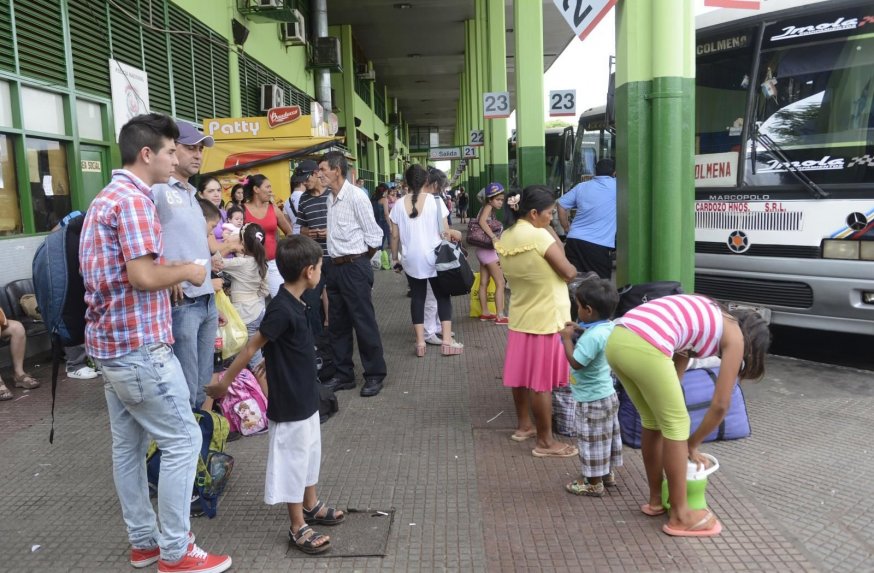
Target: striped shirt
{"type": "Point", "coordinates": [121, 225]}
{"type": "Point", "coordinates": [678, 324]}
{"type": "Point", "coordinates": [312, 213]}
{"type": "Point", "coordinates": [352, 228]}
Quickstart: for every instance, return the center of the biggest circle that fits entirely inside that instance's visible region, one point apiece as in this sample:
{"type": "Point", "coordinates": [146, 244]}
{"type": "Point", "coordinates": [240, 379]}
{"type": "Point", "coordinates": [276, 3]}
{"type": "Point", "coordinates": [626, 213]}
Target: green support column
{"type": "Point", "coordinates": [235, 93]}
{"type": "Point", "coordinates": [483, 66]}
{"type": "Point", "coordinates": [633, 172]}
{"type": "Point", "coordinates": [530, 128]}
{"type": "Point", "coordinates": [476, 99]}
{"type": "Point", "coordinates": [496, 129]}
{"type": "Point", "coordinates": [349, 92]}
{"type": "Point", "coordinates": [654, 125]}
{"type": "Point", "coordinates": [673, 104]}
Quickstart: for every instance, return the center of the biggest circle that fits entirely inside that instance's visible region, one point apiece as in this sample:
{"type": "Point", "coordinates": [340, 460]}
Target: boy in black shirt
{"type": "Point", "coordinates": [293, 398]}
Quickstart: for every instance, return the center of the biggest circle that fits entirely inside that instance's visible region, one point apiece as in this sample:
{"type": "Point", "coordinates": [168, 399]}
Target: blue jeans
{"type": "Point", "coordinates": [252, 328]}
{"type": "Point", "coordinates": [194, 329]}
{"type": "Point", "coordinates": [147, 397]}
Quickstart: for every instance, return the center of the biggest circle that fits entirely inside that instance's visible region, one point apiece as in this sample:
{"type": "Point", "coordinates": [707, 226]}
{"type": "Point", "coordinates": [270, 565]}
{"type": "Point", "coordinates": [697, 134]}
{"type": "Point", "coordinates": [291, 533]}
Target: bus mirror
{"type": "Point", "coordinates": [611, 99]}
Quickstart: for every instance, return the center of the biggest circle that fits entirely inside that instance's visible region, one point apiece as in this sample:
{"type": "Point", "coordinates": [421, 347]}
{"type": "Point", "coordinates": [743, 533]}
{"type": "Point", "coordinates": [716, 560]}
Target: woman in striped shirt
{"type": "Point", "coordinates": [649, 354]}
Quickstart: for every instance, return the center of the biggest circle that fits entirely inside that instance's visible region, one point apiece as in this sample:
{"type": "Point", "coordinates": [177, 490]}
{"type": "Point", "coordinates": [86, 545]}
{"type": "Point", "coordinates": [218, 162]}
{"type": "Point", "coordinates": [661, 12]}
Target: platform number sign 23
{"type": "Point", "coordinates": [583, 15]}
{"type": "Point", "coordinates": [496, 105]}
{"type": "Point", "coordinates": [562, 103]}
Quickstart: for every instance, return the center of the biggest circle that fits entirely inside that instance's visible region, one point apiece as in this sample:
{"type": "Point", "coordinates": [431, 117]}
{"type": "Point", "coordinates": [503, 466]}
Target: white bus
{"type": "Point", "coordinates": [784, 161]}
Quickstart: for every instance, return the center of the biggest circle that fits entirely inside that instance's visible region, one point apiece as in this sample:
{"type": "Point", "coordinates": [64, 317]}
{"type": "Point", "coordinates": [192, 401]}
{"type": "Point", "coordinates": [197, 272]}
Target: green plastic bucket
{"type": "Point", "coordinates": [696, 485]}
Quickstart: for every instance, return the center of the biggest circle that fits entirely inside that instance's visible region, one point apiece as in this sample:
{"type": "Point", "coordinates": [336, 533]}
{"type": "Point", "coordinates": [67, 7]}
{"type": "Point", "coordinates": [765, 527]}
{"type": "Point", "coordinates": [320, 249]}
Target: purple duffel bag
{"type": "Point", "coordinates": [698, 388]}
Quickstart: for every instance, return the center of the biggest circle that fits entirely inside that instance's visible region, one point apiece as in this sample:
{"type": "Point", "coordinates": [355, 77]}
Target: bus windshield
{"type": "Point", "coordinates": [816, 102]}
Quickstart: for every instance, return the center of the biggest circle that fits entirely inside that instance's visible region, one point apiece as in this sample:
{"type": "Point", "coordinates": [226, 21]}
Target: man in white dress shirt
{"type": "Point", "coordinates": [353, 238]}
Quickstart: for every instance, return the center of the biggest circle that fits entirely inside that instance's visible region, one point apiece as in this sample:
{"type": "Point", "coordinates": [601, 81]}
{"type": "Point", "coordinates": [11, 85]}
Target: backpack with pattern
{"type": "Point", "coordinates": [245, 405]}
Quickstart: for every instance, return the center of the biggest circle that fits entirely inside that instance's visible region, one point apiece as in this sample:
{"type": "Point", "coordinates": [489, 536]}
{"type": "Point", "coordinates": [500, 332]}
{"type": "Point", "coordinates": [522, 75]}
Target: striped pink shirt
{"type": "Point", "coordinates": [678, 323]}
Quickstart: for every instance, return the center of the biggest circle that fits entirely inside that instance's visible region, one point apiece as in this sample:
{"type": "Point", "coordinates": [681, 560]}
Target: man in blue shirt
{"type": "Point", "coordinates": [592, 235]}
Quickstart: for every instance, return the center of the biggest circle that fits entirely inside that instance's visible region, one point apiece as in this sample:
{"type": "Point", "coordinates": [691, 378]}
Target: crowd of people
{"type": "Point", "coordinates": [155, 250]}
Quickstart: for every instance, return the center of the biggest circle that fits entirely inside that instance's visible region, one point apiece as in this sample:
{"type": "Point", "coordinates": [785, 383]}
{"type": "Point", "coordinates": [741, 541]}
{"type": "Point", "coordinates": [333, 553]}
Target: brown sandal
{"type": "Point", "coordinates": [26, 381]}
{"type": "Point", "coordinates": [5, 393]}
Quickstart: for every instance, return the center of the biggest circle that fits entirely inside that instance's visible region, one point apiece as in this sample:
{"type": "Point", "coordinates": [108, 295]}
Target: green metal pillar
{"type": "Point", "coordinates": [349, 92]}
{"type": "Point", "coordinates": [673, 105]}
{"type": "Point", "coordinates": [496, 129]}
{"type": "Point", "coordinates": [482, 62]}
{"type": "Point", "coordinates": [654, 126]}
{"type": "Point", "coordinates": [530, 129]}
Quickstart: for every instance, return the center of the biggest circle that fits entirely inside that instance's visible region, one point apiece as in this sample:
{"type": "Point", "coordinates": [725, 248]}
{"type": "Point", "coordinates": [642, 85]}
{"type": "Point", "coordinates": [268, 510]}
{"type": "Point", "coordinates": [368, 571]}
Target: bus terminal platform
{"type": "Point", "coordinates": [434, 447]}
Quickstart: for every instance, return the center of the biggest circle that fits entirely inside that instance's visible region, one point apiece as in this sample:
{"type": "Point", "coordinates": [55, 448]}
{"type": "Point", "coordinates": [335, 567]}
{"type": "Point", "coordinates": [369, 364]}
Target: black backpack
{"type": "Point", "coordinates": [60, 292]}
{"type": "Point", "coordinates": [631, 296]}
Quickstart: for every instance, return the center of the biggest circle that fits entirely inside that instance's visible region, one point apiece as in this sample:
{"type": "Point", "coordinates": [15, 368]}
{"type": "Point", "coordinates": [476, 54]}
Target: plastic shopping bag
{"type": "Point", "coordinates": [385, 259]}
{"type": "Point", "coordinates": [234, 333]}
{"type": "Point", "coordinates": [475, 307]}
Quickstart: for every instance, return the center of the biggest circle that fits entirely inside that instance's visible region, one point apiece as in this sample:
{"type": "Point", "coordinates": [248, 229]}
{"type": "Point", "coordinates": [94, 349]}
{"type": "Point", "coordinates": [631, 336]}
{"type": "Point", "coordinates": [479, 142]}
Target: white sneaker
{"type": "Point", "coordinates": [83, 373]}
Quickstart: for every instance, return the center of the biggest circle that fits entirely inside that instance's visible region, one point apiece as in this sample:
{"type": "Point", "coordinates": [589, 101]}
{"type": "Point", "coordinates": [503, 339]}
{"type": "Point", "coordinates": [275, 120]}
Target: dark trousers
{"type": "Point", "coordinates": [586, 256]}
{"type": "Point", "coordinates": [313, 299]}
{"type": "Point", "coordinates": [418, 293]}
{"type": "Point", "coordinates": [350, 307]}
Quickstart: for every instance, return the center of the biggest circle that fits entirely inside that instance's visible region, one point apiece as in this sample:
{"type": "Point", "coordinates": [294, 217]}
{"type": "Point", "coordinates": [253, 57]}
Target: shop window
{"type": "Point", "coordinates": [43, 111]}
{"type": "Point", "coordinates": [10, 211]}
{"type": "Point", "coordinates": [89, 119]}
{"type": "Point", "coordinates": [5, 105]}
{"type": "Point", "coordinates": [49, 182]}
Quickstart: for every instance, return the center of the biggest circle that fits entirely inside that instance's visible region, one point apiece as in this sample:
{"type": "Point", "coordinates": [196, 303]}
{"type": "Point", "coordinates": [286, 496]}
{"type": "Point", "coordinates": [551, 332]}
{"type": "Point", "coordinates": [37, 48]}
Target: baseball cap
{"type": "Point", "coordinates": [493, 190]}
{"type": "Point", "coordinates": [303, 170]}
{"type": "Point", "coordinates": [189, 135]}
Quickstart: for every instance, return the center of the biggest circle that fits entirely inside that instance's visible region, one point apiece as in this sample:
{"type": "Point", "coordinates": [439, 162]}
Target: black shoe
{"type": "Point", "coordinates": [334, 384]}
{"type": "Point", "coordinates": [371, 388]}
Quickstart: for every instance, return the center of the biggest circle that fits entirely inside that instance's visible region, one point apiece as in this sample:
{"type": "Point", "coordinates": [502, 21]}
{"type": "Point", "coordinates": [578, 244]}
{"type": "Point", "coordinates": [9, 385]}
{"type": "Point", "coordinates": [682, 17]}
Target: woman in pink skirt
{"type": "Point", "coordinates": [533, 260]}
{"type": "Point", "coordinates": [489, 269]}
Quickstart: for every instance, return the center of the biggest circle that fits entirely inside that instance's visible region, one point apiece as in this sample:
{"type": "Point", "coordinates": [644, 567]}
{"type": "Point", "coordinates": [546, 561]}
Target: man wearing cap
{"type": "Point", "coordinates": [312, 216]}
{"type": "Point", "coordinates": [195, 318]}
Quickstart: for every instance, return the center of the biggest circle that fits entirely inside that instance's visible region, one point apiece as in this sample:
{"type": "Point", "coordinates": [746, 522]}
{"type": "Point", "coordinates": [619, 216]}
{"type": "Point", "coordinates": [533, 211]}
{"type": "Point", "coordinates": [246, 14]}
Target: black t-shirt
{"type": "Point", "coordinates": [291, 360]}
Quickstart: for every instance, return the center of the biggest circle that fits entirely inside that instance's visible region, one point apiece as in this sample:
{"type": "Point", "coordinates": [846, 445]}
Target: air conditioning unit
{"type": "Point", "coordinates": [293, 33]}
{"type": "Point", "coordinates": [266, 3]}
{"type": "Point", "coordinates": [326, 53]}
{"type": "Point", "coordinates": [271, 96]}
{"type": "Point", "coordinates": [368, 75]}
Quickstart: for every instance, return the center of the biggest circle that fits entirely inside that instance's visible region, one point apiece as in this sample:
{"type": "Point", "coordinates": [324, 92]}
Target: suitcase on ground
{"type": "Point", "coordinates": [698, 388]}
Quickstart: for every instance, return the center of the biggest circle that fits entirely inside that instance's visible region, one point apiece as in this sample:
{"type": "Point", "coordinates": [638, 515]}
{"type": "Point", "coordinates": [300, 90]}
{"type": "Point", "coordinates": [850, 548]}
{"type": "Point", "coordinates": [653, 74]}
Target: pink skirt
{"type": "Point", "coordinates": [486, 256]}
{"type": "Point", "coordinates": [535, 361]}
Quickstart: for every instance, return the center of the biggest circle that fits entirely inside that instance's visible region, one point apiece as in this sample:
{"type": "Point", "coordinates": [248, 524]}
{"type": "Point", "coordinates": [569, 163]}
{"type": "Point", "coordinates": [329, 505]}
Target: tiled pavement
{"type": "Point", "coordinates": [797, 496]}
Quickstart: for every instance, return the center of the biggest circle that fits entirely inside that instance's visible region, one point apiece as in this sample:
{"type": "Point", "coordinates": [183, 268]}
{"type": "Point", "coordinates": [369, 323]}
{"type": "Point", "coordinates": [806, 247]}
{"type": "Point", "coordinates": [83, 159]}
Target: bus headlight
{"type": "Point", "coordinates": [868, 297]}
{"type": "Point", "coordinates": [866, 250]}
{"type": "Point", "coordinates": [847, 250]}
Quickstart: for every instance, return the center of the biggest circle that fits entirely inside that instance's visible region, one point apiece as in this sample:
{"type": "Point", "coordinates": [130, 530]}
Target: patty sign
{"type": "Point", "coordinates": [277, 116]}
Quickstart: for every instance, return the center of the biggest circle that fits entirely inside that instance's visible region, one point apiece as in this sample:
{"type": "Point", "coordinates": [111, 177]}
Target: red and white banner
{"type": "Point", "coordinates": [740, 4]}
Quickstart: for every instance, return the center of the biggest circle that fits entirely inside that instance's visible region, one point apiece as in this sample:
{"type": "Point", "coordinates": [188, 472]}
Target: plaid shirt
{"type": "Point", "coordinates": [121, 225]}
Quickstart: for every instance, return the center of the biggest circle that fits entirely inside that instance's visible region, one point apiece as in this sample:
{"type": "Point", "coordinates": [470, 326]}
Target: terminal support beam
{"type": "Point", "coordinates": [530, 130]}
{"type": "Point", "coordinates": [654, 126]}
{"type": "Point", "coordinates": [496, 129]}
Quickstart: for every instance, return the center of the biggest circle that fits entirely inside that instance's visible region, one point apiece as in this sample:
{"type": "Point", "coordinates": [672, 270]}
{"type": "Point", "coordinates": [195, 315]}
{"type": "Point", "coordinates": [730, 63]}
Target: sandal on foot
{"type": "Point", "coordinates": [420, 350]}
{"type": "Point", "coordinates": [305, 540]}
{"type": "Point", "coordinates": [700, 529]}
{"type": "Point", "coordinates": [522, 437]}
{"type": "Point", "coordinates": [5, 393]}
{"type": "Point", "coordinates": [311, 516]}
{"type": "Point", "coordinates": [568, 451]}
{"type": "Point", "coordinates": [452, 349]}
{"type": "Point", "coordinates": [583, 487]}
{"type": "Point", "coordinates": [26, 381]}
{"type": "Point", "coordinates": [652, 510]}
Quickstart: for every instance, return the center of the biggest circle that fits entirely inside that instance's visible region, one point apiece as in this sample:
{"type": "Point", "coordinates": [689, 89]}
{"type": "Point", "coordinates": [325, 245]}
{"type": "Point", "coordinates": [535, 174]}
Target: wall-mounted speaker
{"type": "Point", "coordinates": [239, 32]}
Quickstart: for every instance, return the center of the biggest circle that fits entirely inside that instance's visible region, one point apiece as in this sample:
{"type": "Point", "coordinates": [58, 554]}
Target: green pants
{"type": "Point", "coordinates": [650, 380]}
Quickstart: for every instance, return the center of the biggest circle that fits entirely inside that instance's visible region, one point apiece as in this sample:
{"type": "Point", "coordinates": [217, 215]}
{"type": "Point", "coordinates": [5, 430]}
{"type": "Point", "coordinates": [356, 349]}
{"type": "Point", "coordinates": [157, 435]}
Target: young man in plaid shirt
{"type": "Point", "coordinates": [128, 332]}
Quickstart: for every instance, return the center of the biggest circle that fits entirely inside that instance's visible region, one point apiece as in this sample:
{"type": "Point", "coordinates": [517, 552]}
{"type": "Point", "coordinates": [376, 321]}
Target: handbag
{"type": "Point", "coordinates": [454, 275]}
{"type": "Point", "coordinates": [476, 236]}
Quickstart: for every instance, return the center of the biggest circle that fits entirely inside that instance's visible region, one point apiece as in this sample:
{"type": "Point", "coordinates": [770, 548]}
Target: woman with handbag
{"type": "Point", "coordinates": [535, 363]}
{"type": "Point", "coordinates": [482, 232]}
{"type": "Point", "coordinates": [419, 222]}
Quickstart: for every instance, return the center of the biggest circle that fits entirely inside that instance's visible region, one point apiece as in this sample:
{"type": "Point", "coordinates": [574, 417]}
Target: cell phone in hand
{"type": "Point", "coordinates": [398, 267]}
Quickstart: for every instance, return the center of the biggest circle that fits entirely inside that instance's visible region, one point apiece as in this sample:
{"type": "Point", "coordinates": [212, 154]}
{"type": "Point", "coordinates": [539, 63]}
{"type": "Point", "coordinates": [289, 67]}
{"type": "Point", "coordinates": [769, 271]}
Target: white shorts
{"type": "Point", "coordinates": [293, 457]}
{"type": "Point", "coordinates": [274, 279]}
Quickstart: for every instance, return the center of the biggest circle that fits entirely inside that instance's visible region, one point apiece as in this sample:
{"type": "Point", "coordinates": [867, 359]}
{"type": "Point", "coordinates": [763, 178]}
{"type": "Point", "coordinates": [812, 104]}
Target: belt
{"type": "Point", "coordinates": [347, 258]}
{"type": "Point", "coordinates": [186, 300]}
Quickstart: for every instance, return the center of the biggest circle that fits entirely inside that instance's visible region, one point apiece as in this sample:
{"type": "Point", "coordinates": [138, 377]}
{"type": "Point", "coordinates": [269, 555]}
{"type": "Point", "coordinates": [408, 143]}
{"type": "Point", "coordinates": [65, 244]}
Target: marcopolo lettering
{"type": "Point", "coordinates": [722, 45]}
{"type": "Point", "coordinates": [824, 28]}
{"type": "Point", "coordinates": [232, 127]}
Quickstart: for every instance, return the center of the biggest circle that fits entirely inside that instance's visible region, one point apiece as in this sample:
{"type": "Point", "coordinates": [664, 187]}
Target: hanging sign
{"type": "Point", "coordinates": [468, 152]}
{"type": "Point", "coordinates": [441, 153]}
{"type": "Point", "coordinates": [562, 103]}
{"type": "Point", "coordinates": [583, 15]}
{"type": "Point", "coordinates": [496, 105]}
{"type": "Point", "coordinates": [477, 137]}
{"type": "Point", "coordinates": [130, 93]}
